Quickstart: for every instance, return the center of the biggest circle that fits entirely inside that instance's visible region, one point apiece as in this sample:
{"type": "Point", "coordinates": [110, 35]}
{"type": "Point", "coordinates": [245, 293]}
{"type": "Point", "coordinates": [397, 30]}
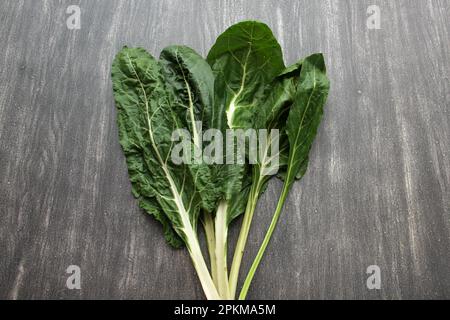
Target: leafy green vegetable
{"type": "Point", "coordinates": [191, 81]}
{"type": "Point", "coordinates": [271, 115]}
{"type": "Point", "coordinates": [146, 118]}
{"type": "Point", "coordinates": [304, 118]}
{"type": "Point", "coordinates": [244, 59]}
{"type": "Point", "coordinates": [243, 84]}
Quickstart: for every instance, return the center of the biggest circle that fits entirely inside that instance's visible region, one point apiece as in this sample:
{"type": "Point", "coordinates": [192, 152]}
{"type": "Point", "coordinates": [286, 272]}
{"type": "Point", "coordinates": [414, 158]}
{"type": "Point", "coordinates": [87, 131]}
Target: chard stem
{"type": "Point", "coordinates": [221, 249]}
{"type": "Point", "coordinates": [243, 235]}
{"type": "Point", "coordinates": [268, 236]}
{"type": "Point", "coordinates": [202, 270]}
{"type": "Point", "coordinates": [208, 225]}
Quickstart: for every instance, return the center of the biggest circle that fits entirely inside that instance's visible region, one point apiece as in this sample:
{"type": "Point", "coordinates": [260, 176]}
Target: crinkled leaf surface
{"type": "Point", "coordinates": [191, 81]}
{"type": "Point", "coordinates": [146, 123]}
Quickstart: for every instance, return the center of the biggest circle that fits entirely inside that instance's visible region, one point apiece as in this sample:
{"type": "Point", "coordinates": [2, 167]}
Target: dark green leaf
{"type": "Point", "coordinates": [191, 80]}
{"type": "Point", "coordinates": [244, 59]}
{"type": "Point", "coordinates": [305, 114]}
{"type": "Point", "coordinates": [146, 123]}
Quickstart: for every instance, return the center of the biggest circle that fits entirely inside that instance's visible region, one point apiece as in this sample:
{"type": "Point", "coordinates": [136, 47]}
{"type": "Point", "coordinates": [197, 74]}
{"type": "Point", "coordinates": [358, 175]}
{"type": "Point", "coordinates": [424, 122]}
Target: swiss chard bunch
{"type": "Point", "coordinates": [243, 84]}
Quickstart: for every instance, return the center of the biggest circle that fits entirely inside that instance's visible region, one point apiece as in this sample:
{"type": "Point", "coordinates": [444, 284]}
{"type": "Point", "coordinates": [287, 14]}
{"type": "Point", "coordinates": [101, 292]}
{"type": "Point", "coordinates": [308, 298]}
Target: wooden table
{"type": "Point", "coordinates": [377, 191]}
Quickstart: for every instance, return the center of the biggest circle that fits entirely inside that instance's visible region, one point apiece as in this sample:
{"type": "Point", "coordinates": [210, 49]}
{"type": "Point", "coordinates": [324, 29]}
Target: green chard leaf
{"type": "Point", "coordinates": [145, 129]}
{"type": "Point", "coordinates": [191, 80]}
{"type": "Point", "coordinates": [244, 59]}
{"type": "Point", "coordinates": [272, 113]}
{"type": "Point", "coordinates": [303, 120]}
{"type": "Point", "coordinates": [146, 118]}
{"type": "Point", "coordinates": [305, 114]}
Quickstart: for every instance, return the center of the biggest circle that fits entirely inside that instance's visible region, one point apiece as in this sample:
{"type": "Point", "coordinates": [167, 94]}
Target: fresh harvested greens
{"type": "Point", "coordinates": [147, 106]}
{"type": "Point", "coordinates": [243, 84]}
{"type": "Point", "coordinates": [304, 116]}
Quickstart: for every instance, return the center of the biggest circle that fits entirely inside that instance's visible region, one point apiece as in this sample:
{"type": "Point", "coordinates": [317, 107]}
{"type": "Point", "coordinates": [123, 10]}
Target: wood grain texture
{"type": "Point", "coordinates": [377, 190]}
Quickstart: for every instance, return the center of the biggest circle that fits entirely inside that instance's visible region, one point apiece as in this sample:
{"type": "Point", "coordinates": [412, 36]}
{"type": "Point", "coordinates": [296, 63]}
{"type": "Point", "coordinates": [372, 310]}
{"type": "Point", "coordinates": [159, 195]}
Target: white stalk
{"type": "Point", "coordinates": [221, 250]}
{"type": "Point", "coordinates": [208, 224]}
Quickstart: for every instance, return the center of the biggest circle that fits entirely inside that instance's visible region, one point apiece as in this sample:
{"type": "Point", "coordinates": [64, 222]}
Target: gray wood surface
{"type": "Point", "coordinates": [376, 192]}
